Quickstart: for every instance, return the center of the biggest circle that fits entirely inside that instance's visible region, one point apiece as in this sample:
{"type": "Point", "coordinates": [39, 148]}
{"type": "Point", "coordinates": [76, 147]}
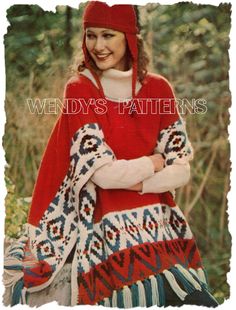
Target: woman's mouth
{"type": "Point", "coordinates": [102, 57]}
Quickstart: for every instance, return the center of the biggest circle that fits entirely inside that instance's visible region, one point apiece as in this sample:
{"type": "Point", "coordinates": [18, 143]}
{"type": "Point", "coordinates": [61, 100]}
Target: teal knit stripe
{"type": "Point", "coordinates": [17, 247]}
{"type": "Point", "coordinates": [14, 267]}
{"type": "Point", "coordinates": [135, 295]}
{"type": "Point", "coordinates": [189, 288]}
{"type": "Point", "coordinates": [161, 290]}
{"type": "Point", "coordinates": [17, 255]}
{"type": "Point", "coordinates": [204, 285]}
{"type": "Point", "coordinates": [101, 302]}
{"type": "Point", "coordinates": [16, 295]}
{"type": "Point", "coordinates": [148, 292]}
{"type": "Point", "coordinates": [120, 299]}
{"type": "Point", "coordinates": [206, 276]}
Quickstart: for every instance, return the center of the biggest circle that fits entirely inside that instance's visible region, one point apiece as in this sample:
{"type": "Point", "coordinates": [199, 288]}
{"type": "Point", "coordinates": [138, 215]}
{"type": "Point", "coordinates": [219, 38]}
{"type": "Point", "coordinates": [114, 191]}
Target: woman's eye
{"type": "Point", "coordinates": [90, 36]}
{"type": "Point", "coordinates": [108, 35]}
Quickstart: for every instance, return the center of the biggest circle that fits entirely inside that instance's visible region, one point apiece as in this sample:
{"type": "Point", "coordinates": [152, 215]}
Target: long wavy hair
{"type": "Point", "coordinates": [143, 61]}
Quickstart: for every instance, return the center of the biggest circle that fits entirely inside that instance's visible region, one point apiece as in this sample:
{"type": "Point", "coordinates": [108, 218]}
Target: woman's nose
{"type": "Point", "coordinates": [99, 45]}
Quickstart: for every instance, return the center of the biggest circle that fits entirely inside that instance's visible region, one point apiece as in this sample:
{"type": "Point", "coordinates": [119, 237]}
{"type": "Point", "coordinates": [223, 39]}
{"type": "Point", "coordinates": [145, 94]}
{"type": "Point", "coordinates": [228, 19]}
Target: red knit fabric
{"type": "Point", "coordinates": [120, 135]}
{"type": "Point", "coordinates": [111, 261]}
{"type": "Point", "coordinates": [170, 253]}
{"type": "Point", "coordinates": [117, 17]}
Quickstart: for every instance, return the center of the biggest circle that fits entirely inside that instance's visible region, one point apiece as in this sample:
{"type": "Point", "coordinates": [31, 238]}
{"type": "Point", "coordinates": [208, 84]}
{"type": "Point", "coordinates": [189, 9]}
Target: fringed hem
{"type": "Point", "coordinates": [13, 270]}
{"type": "Point", "coordinates": [151, 291]}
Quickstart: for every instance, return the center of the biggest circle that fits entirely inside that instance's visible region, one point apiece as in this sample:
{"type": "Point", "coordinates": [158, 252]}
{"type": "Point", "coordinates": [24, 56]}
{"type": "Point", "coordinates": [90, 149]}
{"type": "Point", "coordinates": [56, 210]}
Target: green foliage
{"type": "Point", "coordinates": [16, 211]}
{"type": "Point", "coordinates": [38, 47]}
{"type": "Point", "coordinates": [188, 44]}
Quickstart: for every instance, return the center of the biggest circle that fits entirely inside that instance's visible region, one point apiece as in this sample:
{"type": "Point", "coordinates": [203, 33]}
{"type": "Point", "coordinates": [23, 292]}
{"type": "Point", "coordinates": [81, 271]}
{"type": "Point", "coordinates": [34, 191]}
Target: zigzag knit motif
{"type": "Point", "coordinates": [119, 261]}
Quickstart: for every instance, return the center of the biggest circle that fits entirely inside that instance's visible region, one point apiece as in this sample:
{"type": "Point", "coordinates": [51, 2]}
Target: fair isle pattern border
{"type": "Point", "coordinates": [174, 144]}
{"type": "Point", "coordinates": [121, 230]}
{"type": "Point", "coordinates": [122, 252]}
{"type": "Point", "coordinates": [56, 234]}
{"type": "Point", "coordinates": [50, 243]}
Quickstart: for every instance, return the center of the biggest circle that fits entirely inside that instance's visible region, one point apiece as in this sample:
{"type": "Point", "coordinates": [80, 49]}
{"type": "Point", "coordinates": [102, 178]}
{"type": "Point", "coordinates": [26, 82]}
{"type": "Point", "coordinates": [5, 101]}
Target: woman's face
{"type": "Point", "coordinates": [107, 48]}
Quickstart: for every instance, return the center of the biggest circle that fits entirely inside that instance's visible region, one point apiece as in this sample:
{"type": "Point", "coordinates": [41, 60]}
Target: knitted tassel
{"type": "Point", "coordinates": [174, 285]}
{"type": "Point", "coordinates": [16, 294]}
{"type": "Point", "coordinates": [189, 277]}
{"type": "Point", "coordinates": [194, 272]}
{"type": "Point", "coordinates": [23, 296]}
{"type": "Point", "coordinates": [12, 276]}
{"type": "Point", "coordinates": [189, 288]}
{"type": "Point", "coordinates": [106, 302]}
{"type": "Point", "coordinates": [161, 290]}
{"type": "Point", "coordinates": [120, 299]}
{"type": "Point", "coordinates": [114, 299]}
{"type": "Point", "coordinates": [202, 275]}
{"type": "Point", "coordinates": [141, 293]}
{"type": "Point", "coordinates": [13, 267]}
{"type": "Point", "coordinates": [127, 297]}
{"type": "Point", "coordinates": [148, 292]}
{"type": "Point", "coordinates": [135, 295]}
{"type": "Point", "coordinates": [155, 293]}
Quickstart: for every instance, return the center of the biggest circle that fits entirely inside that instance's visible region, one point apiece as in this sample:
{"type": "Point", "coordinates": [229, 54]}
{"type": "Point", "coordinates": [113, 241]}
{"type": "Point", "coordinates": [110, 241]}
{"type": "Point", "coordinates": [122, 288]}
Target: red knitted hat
{"type": "Point", "coordinates": [120, 17]}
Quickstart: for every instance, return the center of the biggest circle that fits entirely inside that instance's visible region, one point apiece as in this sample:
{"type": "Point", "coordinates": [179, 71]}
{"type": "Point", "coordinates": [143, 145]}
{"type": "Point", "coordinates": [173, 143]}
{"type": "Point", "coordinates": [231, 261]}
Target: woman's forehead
{"type": "Point", "coordinates": [98, 30]}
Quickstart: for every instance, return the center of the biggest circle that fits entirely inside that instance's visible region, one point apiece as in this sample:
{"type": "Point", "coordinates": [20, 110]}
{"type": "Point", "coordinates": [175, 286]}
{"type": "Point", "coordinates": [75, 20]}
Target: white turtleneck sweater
{"type": "Point", "coordinates": [123, 174]}
{"type": "Point", "coordinates": [116, 84]}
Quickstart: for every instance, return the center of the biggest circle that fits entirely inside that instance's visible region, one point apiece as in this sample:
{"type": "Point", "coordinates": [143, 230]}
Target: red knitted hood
{"type": "Point", "coordinates": [117, 17]}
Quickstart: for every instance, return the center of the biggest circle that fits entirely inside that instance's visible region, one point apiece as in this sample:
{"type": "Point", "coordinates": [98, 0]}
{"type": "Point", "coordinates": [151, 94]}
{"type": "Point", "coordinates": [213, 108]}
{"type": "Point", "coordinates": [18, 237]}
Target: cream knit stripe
{"type": "Point", "coordinates": [127, 295]}
{"type": "Point", "coordinates": [174, 285]}
{"type": "Point", "coordinates": [142, 294]}
{"type": "Point", "coordinates": [106, 302]}
{"type": "Point", "coordinates": [201, 275]}
{"type": "Point", "coordinates": [189, 277]}
{"type": "Point", "coordinates": [155, 293]}
{"type": "Point", "coordinates": [114, 299]}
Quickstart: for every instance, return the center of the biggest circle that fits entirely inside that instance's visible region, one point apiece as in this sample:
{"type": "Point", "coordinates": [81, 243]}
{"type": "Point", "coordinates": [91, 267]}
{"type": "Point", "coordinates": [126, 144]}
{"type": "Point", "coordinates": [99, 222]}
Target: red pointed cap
{"type": "Point", "coordinates": [120, 17]}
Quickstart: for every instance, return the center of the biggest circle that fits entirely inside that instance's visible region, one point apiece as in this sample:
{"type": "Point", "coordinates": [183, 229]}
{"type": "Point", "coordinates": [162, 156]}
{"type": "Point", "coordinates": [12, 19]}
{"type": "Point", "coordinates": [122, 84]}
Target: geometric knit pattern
{"type": "Point", "coordinates": [120, 260]}
{"type": "Point", "coordinates": [129, 246]}
{"type": "Point", "coordinates": [174, 144]}
{"type": "Point", "coordinates": [50, 243]}
{"type": "Point", "coordinates": [121, 230]}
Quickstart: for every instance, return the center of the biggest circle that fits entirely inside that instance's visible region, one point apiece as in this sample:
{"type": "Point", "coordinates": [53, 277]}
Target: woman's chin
{"type": "Point", "coordinates": [103, 66]}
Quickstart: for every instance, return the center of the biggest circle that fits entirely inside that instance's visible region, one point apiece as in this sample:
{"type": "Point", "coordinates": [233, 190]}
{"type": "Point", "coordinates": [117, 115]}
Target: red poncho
{"type": "Point", "coordinates": [125, 243]}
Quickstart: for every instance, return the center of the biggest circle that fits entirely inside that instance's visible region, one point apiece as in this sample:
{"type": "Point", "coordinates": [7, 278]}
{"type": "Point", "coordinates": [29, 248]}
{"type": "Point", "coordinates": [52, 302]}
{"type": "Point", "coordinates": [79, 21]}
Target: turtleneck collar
{"type": "Point", "coordinates": [116, 84]}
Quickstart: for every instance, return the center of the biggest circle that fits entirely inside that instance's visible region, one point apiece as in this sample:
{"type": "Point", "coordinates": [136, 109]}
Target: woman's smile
{"type": "Point", "coordinates": [102, 57]}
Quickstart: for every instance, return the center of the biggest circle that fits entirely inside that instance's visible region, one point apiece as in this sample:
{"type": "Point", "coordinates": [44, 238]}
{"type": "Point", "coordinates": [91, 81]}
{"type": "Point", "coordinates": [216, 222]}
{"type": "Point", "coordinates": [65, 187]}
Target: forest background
{"type": "Point", "coordinates": [188, 44]}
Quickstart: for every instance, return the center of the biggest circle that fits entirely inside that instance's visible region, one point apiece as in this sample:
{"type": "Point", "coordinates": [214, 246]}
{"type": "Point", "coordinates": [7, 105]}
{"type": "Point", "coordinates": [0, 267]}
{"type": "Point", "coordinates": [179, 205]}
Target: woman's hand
{"type": "Point", "coordinates": [158, 162]}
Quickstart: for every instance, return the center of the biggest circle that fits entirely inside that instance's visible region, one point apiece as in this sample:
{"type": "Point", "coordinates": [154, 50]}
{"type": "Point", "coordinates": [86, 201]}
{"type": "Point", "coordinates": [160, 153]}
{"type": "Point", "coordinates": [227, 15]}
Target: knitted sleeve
{"type": "Point", "coordinates": [173, 143]}
{"type": "Point", "coordinates": [122, 174]}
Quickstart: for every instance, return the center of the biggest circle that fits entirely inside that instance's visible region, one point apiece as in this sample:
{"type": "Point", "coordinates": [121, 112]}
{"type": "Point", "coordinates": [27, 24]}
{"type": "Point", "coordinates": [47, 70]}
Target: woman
{"type": "Point", "coordinates": [104, 187]}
